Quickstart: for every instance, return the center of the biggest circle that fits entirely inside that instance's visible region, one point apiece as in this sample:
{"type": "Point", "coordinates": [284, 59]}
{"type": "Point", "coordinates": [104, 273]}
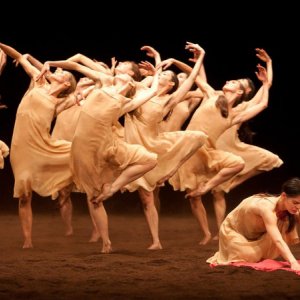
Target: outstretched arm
{"type": "Point", "coordinates": [143, 97]}
{"type": "Point", "coordinates": [264, 56]}
{"type": "Point", "coordinates": [200, 80]}
{"type": "Point", "coordinates": [70, 65]}
{"type": "Point", "coordinates": [260, 100]}
{"type": "Point", "coordinates": [86, 61]}
{"type": "Point", "coordinates": [35, 62]}
{"type": "Point", "coordinates": [179, 94]}
{"type": "Point", "coordinates": [151, 52]}
{"type": "Point", "coordinates": [31, 70]}
{"type": "Point", "coordinates": [270, 222]}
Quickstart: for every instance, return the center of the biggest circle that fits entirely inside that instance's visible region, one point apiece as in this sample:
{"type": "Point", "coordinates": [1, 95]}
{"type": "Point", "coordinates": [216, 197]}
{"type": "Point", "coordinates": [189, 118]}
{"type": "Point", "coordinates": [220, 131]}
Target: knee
{"type": "Point", "coordinates": [195, 202]}
{"type": "Point", "coordinates": [24, 200]}
{"type": "Point", "coordinates": [147, 199]}
{"type": "Point", "coordinates": [240, 166]}
{"type": "Point", "coordinates": [152, 161]}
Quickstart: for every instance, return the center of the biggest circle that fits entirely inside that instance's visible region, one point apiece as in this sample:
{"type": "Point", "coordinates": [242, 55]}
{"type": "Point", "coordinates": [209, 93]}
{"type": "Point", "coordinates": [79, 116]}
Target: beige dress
{"type": "Point", "coordinates": [4, 151]}
{"type": "Point", "coordinates": [66, 123]}
{"type": "Point", "coordinates": [143, 127]}
{"type": "Point", "coordinates": [207, 160]}
{"type": "Point", "coordinates": [255, 158]}
{"type": "Point", "coordinates": [240, 239]}
{"type": "Point", "coordinates": [98, 154]}
{"type": "Point", "coordinates": [39, 162]}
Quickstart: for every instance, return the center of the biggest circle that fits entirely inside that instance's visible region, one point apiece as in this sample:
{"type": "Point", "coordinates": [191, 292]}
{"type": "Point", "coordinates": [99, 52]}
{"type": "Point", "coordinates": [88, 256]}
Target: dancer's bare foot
{"type": "Point", "coordinates": [94, 237]}
{"type": "Point", "coordinates": [205, 240]}
{"type": "Point", "coordinates": [155, 246]}
{"type": "Point", "coordinates": [216, 237]}
{"type": "Point", "coordinates": [201, 190]}
{"type": "Point", "coordinates": [69, 231]}
{"type": "Point", "coordinates": [106, 248]}
{"type": "Point", "coordinates": [27, 244]}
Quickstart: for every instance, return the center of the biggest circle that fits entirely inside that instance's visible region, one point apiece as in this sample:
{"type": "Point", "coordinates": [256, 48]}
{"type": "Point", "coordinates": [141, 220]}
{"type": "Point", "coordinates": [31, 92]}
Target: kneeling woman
{"type": "Point", "coordinates": [261, 227]}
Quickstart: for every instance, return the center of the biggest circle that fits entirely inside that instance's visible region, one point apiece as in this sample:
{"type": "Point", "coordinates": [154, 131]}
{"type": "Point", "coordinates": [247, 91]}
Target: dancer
{"type": "Point", "coordinates": [261, 227]}
{"type": "Point", "coordinates": [64, 129]}
{"type": "Point", "coordinates": [257, 160]}
{"type": "Point", "coordinates": [108, 163]}
{"type": "Point", "coordinates": [209, 167]}
{"type": "Point", "coordinates": [39, 163]}
{"type": "Point", "coordinates": [173, 148]}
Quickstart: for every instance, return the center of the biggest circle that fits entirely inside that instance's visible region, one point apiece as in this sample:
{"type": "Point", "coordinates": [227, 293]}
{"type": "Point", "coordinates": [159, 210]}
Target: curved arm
{"type": "Point", "coordinates": [86, 61]}
{"type": "Point", "coordinates": [179, 94]}
{"type": "Point", "coordinates": [260, 100]}
{"type": "Point", "coordinates": [151, 52]}
{"type": "Point", "coordinates": [201, 80]}
{"type": "Point", "coordinates": [35, 62]}
{"type": "Point", "coordinates": [142, 98]}
{"type": "Point", "coordinates": [264, 56]}
{"type": "Point", "coordinates": [270, 222]}
{"type": "Point", "coordinates": [2, 60]}
{"type": "Point", "coordinates": [69, 65]}
{"type": "Point", "coordinates": [27, 66]}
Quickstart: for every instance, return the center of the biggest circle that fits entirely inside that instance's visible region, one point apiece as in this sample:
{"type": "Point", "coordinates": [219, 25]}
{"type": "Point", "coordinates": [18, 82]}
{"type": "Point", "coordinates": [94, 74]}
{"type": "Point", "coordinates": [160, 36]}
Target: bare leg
{"type": "Point", "coordinates": [151, 215]}
{"type": "Point", "coordinates": [200, 137]}
{"type": "Point", "coordinates": [240, 179]}
{"type": "Point", "coordinates": [66, 208]}
{"type": "Point", "coordinates": [95, 236]}
{"type": "Point", "coordinates": [220, 177]}
{"type": "Point", "coordinates": [199, 212]}
{"type": "Point", "coordinates": [220, 209]}
{"type": "Point", "coordinates": [25, 214]}
{"type": "Point", "coordinates": [156, 198]}
{"type": "Point", "coordinates": [128, 175]}
{"type": "Point", "coordinates": [99, 215]}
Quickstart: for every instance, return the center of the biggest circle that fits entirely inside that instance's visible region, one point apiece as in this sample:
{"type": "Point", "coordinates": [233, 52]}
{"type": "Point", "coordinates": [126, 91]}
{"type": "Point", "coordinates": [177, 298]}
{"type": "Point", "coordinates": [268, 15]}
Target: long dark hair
{"type": "Point", "coordinates": [245, 133]}
{"type": "Point", "coordinates": [292, 189]}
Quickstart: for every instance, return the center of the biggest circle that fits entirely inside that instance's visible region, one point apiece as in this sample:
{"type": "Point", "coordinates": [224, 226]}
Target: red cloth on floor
{"type": "Point", "coordinates": [267, 265]}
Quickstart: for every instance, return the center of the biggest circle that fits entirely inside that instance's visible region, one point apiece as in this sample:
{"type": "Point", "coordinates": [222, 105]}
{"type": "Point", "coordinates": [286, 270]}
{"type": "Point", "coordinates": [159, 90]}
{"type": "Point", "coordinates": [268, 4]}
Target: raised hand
{"type": "Point", "coordinates": [149, 69]}
{"type": "Point", "coordinates": [261, 73]}
{"type": "Point", "coordinates": [45, 69]}
{"type": "Point", "coordinates": [195, 49]}
{"type": "Point", "coordinates": [150, 51]}
{"type": "Point", "coordinates": [165, 64]}
{"type": "Point", "coordinates": [262, 55]}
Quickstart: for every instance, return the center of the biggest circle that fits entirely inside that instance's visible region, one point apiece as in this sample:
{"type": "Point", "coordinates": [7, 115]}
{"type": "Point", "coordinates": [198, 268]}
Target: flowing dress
{"type": "Point", "coordinates": [39, 162]}
{"type": "Point", "coordinates": [240, 238]}
{"type": "Point", "coordinates": [255, 158]}
{"type": "Point", "coordinates": [99, 155]}
{"type": "Point", "coordinates": [207, 160]}
{"type": "Point", "coordinates": [142, 126]}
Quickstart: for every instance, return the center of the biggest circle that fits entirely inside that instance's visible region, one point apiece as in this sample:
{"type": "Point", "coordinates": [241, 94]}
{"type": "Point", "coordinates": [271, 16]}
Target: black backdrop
{"type": "Point", "coordinates": [228, 34]}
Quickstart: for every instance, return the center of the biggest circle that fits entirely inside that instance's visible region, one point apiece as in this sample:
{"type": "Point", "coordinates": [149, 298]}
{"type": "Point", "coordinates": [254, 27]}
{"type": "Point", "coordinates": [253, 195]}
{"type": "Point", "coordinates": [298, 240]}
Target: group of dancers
{"type": "Point", "coordinates": [90, 151]}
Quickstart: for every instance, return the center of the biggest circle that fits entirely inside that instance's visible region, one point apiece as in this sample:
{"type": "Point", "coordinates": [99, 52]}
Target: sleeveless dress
{"type": "Point", "coordinates": [207, 160]}
{"type": "Point", "coordinates": [142, 126]}
{"type": "Point", "coordinates": [241, 240]}
{"type": "Point", "coordinates": [39, 162]}
{"type": "Point", "coordinates": [255, 158]}
{"type": "Point", "coordinates": [99, 155]}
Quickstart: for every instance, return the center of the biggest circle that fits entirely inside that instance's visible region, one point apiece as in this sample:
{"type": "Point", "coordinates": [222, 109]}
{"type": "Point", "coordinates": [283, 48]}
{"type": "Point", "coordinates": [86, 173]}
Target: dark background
{"type": "Point", "coordinates": [228, 33]}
